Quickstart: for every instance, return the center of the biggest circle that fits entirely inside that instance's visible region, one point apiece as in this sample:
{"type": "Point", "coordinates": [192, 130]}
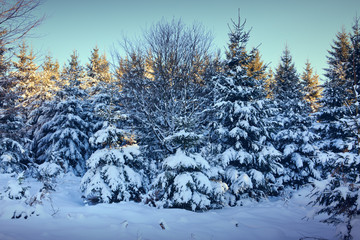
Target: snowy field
{"type": "Point", "coordinates": [66, 217]}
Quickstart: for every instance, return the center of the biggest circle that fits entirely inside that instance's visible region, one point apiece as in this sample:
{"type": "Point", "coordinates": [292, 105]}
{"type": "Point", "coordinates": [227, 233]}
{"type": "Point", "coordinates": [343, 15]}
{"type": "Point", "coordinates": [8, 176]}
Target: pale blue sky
{"type": "Point", "coordinates": [307, 27]}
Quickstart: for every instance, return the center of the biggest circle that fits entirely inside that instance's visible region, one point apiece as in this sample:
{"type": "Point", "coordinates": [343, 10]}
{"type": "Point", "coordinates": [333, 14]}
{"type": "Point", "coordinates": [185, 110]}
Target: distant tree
{"type": "Point", "coordinates": [256, 67]}
{"type": "Point", "coordinates": [97, 71]}
{"type": "Point", "coordinates": [50, 69]}
{"type": "Point", "coordinates": [73, 73]}
{"type": "Point", "coordinates": [287, 87]}
{"type": "Point", "coordinates": [98, 66]}
{"type": "Point", "coordinates": [29, 82]}
{"type": "Point", "coordinates": [270, 84]}
{"type": "Point", "coordinates": [312, 89]}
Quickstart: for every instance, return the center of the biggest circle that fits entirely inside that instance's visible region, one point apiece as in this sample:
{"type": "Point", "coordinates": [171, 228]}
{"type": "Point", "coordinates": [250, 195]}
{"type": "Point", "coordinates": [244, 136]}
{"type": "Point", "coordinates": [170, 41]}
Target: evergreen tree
{"type": "Point", "coordinates": [72, 74]}
{"type": "Point", "coordinates": [98, 66]}
{"type": "Point", "coordinates": [62, 135]}
{"type": "Point", "coordinates": [287, 87]}
{"type": "Point", "coordinates": [312, 89]}
{"type": "Point", "coordinates": [29, 83]}
{"type": "Point", "coordinates": [97, 70]}
{"type": "Point", "coordinates": [337, 97]}
{"type": "Point", "coordinates": [50, 74]}
{"type": "Point", "coordinates": [13, 155]}
{"type": "Point", "coordinates": [293, 136]}
{"type": "Point", "coordinates": [338, 67]}
{"type": "Point", "coordinates": [241, 137]}
{"type": "Point", "coordinates": [256, 67]}
{"type": "Point", "coordinates": [339, 194]}
{"type": "Point", "coordinates": [114, 170]}
{"type": "Point", "coordinates": [62, 132]}
{"type": "Point", "coordinates": [184, 182]}
{"type": "Point", "coordinates": [270, 84]}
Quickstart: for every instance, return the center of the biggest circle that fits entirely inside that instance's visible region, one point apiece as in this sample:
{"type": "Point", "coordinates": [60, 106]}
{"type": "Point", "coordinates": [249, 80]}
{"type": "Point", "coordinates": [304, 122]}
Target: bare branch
{"type": "Point", "coordinates": [17, 19]}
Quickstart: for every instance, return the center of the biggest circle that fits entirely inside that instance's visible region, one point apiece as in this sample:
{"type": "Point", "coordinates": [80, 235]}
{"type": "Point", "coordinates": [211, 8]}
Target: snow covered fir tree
{"type": "Point", "coordinates": [171, 124]}
{"type": "Point", "coordinates": [114, 170]}
{"type": "Point", "coordinates": [62, 133]}
{"type": "Point", "coordinates": [293, 136]}
{"type": "Point", "coordinates": [339, 193]}
{"type": "Point", "coordinates": [241, 133]}
{"type": "Point", "coordinates": [13, 154]}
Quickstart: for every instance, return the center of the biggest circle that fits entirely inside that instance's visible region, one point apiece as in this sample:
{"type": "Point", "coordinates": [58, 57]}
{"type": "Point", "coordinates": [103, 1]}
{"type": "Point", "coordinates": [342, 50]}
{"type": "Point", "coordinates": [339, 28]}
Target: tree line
{"type": "Point", "coordinates": [175, 125]}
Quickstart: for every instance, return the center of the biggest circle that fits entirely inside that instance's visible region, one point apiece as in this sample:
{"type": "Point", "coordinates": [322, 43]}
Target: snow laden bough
{"type": "Point", "coordinates": [112, 175]}
{"type": "Point", "coordinates": [12, 156]}
{"type": "Point", "coordinates": [183, 183]}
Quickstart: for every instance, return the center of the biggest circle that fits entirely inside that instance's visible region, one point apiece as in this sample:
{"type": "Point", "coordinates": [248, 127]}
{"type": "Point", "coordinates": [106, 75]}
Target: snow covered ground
{"type": "Point", "coordinates": [270, 219]}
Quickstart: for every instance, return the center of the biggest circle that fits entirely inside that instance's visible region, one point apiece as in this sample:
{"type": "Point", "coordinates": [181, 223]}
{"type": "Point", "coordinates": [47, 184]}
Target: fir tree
{"type": "Point", "coordinates": [338, 67]}
{"type": "Point", "coordinates": [73, 73]}
{"type": "Point", "coordinates": [339, 194]}
{"type": "Point", "coordinates": [13, 155]}
{"type": "Point", "coordinates": [62, 132]}
{"type": "Point", "coordinates": [270, 84]}
{"type": "Point", "coordinates": [256, 67]}
{"type": "Point", "coordinates": [97, 70]}
{"type": "Point", "coordinates": [287, 87]}
{"type": "Point", "coordinates": [293, 135]}
{"type": "Point", "coordinates": [62, 135]}
{"type": "Point", "coordinates": [114, 170]}
{"type": "Point", "coordinates": [184, 182]}
{"type": "Point", "coordinates": [312, 89]}
{"type": "Point", "coordinates": [50, 73]}
{"type": "Point", "coordinates": [98, 66]}
{"type": "Point", "coordinates": [29, 83]}
{"type": "Point", "coordinates": [241, 137]}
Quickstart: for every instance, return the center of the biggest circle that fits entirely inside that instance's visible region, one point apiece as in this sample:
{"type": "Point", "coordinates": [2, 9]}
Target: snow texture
{"type": "Point", "coordinates": [270, 219]}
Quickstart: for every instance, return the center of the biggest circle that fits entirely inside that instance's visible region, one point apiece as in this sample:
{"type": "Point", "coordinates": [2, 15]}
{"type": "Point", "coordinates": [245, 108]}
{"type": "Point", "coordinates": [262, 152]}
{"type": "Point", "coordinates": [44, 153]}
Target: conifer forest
{"type": "Point", "coordinates": [171, 124]}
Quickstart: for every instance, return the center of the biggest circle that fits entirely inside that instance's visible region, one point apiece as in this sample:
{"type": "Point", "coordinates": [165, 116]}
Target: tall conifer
{"type": "Point", "coordinates": [241, 138]}
{"type": "Point", "coordinates": [312, 89]}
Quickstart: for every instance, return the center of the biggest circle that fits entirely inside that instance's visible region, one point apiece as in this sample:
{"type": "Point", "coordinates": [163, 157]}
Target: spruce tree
{"type": "Point", "coordinates": [312, 89]}
{"type": "Point", "coordinates": [338, 67]}
{"type": "Point", "coordinates": [13, 155]}
{"type": "Point", "coordinates": [98, 66]}
{"type": "Point", "coordinates": [184, 182]}
{"type": "Point", "coordinates": [339, 194]}
{"type": "Point", "coordinates": [73, 73]}
{"type": "Point", "coordinates": [256, 67]}
{"type": "Point", "coordinates": [50, 74]}
{"type": "Point", "coordinates": [62, 132]}
{"type": "Point", "coordinates": [29, 83]}
{"type": "Point", "coordinates": [293, 135]}
{"type": "Point", "coordinates": [97, 71]}
{"type": "Point", "coordinates": [270, 84]}
{"type": "Point", "coordinates": [241, 137]}
{"type": "Point", "coordinates": [114, 170]}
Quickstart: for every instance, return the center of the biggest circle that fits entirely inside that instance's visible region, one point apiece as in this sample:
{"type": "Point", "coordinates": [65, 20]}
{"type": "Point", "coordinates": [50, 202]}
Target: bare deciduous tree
{"type": "Point", "coordinates": [17, 18]}
{"type": "Point", "coordinates": [162, 78]}
{"type": "Point", "coordinates": [178, 52]}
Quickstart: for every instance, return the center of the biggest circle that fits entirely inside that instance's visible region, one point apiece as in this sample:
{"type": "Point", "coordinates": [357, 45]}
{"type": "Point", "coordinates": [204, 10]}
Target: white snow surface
{"type": "Point", "coordinates": [68, 218]}
{"type": "Point", "coordinates": [180, 159]}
